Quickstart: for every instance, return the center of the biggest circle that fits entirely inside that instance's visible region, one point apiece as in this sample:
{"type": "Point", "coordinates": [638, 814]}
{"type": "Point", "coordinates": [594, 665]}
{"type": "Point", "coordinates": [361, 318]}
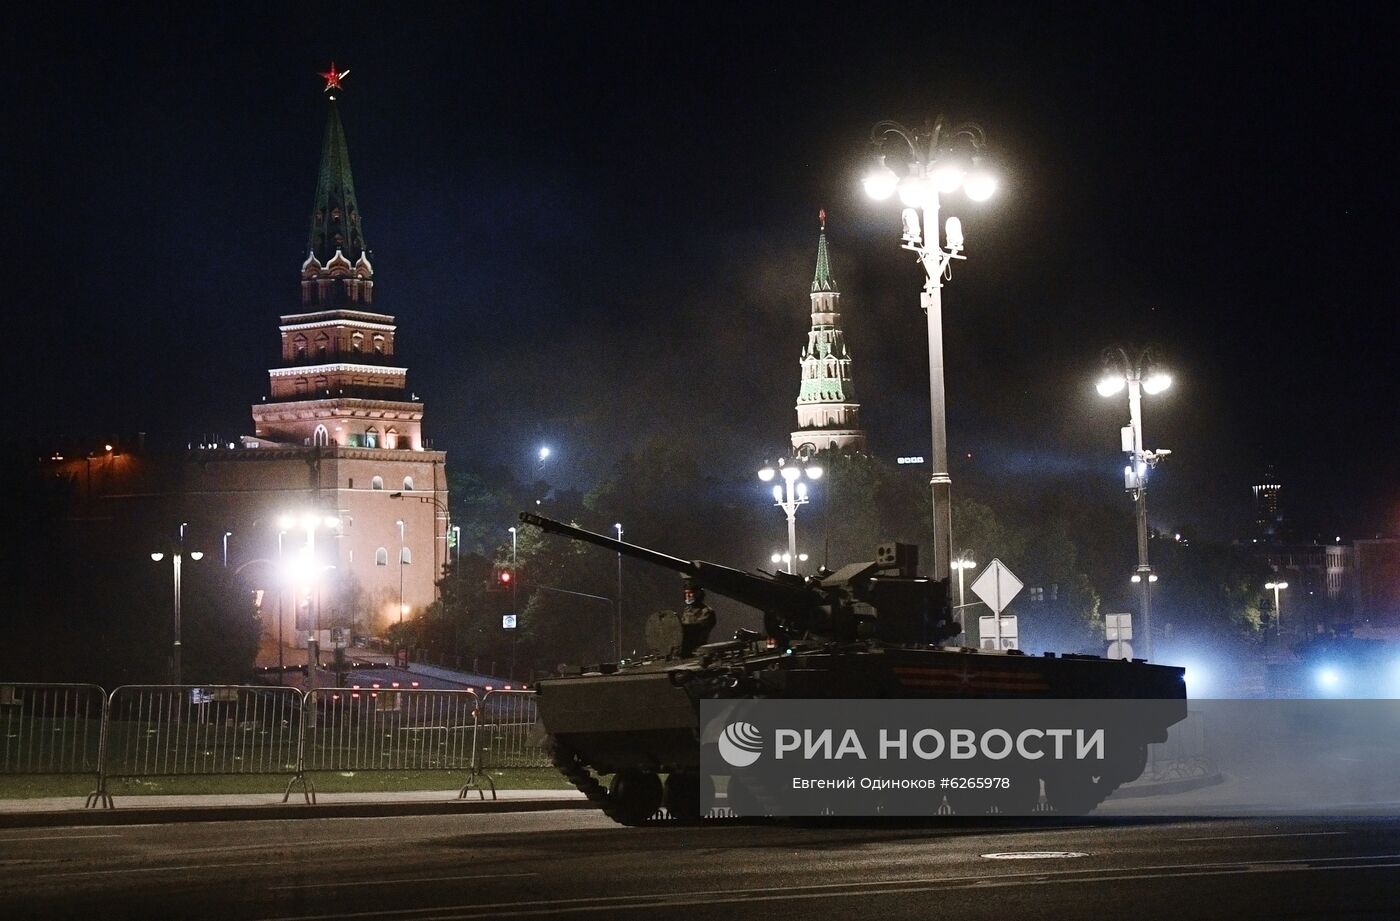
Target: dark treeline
{"type": "Point", "coordinates": [1077, 556]}
{"type": "Point", "coordinates": [86, 602]}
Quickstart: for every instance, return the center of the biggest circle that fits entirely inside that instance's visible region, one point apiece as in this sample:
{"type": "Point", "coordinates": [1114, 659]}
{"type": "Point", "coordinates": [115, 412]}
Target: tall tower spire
{"type": "Point", "coordinates": [828, 417]}
{"type": "Point", "coordinates": [335, 212]}
{"type": "Point", "coordinates": [339, 384]}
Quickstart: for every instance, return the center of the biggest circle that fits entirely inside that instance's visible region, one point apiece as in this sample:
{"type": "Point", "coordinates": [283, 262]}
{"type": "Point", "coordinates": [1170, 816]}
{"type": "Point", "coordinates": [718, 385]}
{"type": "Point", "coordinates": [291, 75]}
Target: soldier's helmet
{"type": "Point", "coordinates": [694, 594]}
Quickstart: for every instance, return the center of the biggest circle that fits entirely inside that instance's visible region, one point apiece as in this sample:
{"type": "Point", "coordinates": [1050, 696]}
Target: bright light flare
{"type": "Point", "coordinates": [196, 555]}
{"type": "Point", "coordinates": [881, 181]}
{"type": "Point", "coordinates": [913, 192]}
{"type": "Point", "coordinates": [766, 474]}
{"type": "Point", "coordinates": [157, 556]}
{"type": "Point", "coordinates": [814, 472]}
{"type": "Point", "coordinates": [980, 184]}
{"type": "Point", "coordinates": [1157, 382]}
{"type": "Point", "coordinates": [790, 473]}
{"type": "Point", "coordinates": [947, 174]}
{"type": "Point", "coordinates": [1110, 384]}
{"type": "Point", "coordinates": [1329, 678]}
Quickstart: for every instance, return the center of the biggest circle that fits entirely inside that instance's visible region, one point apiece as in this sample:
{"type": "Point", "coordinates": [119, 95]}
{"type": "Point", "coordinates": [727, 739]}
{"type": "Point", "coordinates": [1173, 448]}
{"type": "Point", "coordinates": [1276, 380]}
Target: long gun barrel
{"type": "Point", "coordinates": [550, 526]}
{"type": "Point", "coordinates": [767, 593]}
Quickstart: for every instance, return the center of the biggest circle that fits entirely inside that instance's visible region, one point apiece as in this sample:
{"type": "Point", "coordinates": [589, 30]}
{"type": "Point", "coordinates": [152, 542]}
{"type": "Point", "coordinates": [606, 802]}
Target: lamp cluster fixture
{"type": "Point", "coordinates": [789, 495]}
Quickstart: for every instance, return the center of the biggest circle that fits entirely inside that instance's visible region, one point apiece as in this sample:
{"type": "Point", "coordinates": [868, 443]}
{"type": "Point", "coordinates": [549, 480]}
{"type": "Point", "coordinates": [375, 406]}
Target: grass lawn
{"type": "Point", "coordinates": [26, 787]}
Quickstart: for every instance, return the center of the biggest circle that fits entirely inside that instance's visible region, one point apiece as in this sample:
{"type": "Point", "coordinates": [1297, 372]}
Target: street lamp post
{"type": "Point", "coordinates": [942, 159]}
{"type": "Point", "coordinates": [447, 527]}
{"type": "Point", "coordinates": [311, 575]}
{"type": "Point", "coordinates": [176, 557]}
{"type": "Point", "coordinates": [399, 522]}
{"type": "Point", "coordinates": [617, 631]}
{"type": "Point", "coordinates": [960, 565]}
{"type": "Point", "coordinates": [1277, 587]}
{"type": "Point", "coordinates": [281, 613]}
{"type": "Point", "coordinates": [227, 535]}
{"type": "Point", "coordinates": [513, 581]}
{"type": "Point", "coordinates": [789, 495]}
{"type": "Point", "coordinates": [1139, 376]}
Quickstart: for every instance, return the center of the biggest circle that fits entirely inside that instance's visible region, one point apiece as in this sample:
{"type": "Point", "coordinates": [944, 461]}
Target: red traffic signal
{"type": "Point", "coordinates": [503, 577]}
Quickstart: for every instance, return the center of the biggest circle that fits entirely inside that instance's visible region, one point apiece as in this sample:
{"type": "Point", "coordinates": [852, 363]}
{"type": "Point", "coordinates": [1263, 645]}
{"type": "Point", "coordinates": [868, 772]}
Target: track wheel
{"type": "Point", "coordinates": [637, 795]}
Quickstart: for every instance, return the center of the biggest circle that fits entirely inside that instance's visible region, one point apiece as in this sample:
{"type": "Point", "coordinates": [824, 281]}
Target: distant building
{"type": "Point", "coordinates": [1268, 515]}
{"type": "Point", "coordinates": [828, 417]}
{"type": "Point", "coordinates": [338, 435]}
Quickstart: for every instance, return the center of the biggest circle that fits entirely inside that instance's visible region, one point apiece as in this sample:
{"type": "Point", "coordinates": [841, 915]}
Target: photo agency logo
{"type": "Point", "coordinates": [740, 744]}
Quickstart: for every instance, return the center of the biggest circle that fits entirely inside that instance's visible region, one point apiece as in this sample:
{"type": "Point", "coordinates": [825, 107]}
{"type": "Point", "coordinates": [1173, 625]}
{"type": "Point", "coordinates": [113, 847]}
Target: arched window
{"type": "Point", "coordinates": [320, 438]}
{"type": "Point", "coordinates": [378, 344]}
{"type": "Point", "coordinates": [408, 484]}
{"type": "Point", "coordinates": [377, 482]}
{"type": "Point", "coordinates": [405, 555]}
{"type": "Point", "coordinates": [322, 345]}
{"type": "Point", "coordinates": [299, 348]}
{"type": "Point", "coordinates": [381, 557]}
{"type": "Point", "coordinates": [372, 438]}
{"type": "Point", "coordinates": [321, 383]}
{"type": "Point", "coordinates": [357, 342]}
{"type": "Point", "coordinates": [391, 440]}
{"type": "Point", "coordinates": [301, 385]}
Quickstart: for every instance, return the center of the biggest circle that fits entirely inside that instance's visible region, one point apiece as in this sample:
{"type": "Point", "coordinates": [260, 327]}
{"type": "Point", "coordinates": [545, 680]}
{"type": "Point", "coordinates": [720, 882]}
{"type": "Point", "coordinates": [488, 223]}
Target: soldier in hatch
{"type": "Point", "coordinates": [697, 619]}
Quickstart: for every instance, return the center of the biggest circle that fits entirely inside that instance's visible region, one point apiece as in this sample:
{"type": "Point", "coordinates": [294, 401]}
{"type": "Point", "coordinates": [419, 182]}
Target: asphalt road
{"type": "Point", "coordinates": [577, 864]}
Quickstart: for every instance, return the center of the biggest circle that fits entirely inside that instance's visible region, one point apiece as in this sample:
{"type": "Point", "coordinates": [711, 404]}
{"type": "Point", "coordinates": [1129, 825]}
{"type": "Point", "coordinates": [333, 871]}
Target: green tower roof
{"type": "Point", "coordinates": [822, 280]}
{"type": "Point", "coordinates": [335, 214]}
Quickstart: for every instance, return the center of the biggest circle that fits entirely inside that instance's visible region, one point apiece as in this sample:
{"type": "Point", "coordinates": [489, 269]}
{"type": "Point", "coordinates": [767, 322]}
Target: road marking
{"type": "Point", "coordinates": [1034, 855]}
{"type": "Point", "coordinates": [1291, 834]}
{"type": "Point", "coordinates": [617, 903]}
{"type": "Point", "coordinates": [54, 838]}
{"type": "Point", "coordinates": [191, 866]}
{"type": "Point", "coordinates": [390, 882]}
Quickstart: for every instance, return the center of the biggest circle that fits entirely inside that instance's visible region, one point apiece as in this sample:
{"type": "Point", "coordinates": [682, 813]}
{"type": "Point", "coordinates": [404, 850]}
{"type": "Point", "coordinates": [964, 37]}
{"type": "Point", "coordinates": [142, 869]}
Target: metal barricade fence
{"type": "Point", "coordinates": [506, 737]}
{"type": "Point", "coordinates": [379, 729]}
{"type": "Point", "coordinates": [51, 728]}
{"type": "Point", "coordinates": [1184, 754]}
{"type": "Point", "coordinates": [180, 730]}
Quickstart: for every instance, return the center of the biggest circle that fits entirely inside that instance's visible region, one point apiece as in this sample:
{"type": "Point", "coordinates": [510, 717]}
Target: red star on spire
{"type": "Point", "coordinates": [821, 215]}
{"type": "Point", "coordinates": [333, 77]}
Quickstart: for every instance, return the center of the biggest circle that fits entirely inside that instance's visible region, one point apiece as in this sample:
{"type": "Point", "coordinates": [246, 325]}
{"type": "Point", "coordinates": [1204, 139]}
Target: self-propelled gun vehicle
{"type": "Point", "coordinates": [867, 630]}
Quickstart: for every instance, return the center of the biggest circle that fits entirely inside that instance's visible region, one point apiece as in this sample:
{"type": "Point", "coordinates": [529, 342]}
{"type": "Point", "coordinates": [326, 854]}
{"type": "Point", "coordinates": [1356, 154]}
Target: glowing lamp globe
{"type": "Point", "coordinates": [981, 183]}
{"type": "Point", "coordinates": [1157, 382]}
{"type": "Point", "coordinates": [913, 192]}
{"type": "Point", "coordinates": [1110, 384]}
{"type": "Point", "coordinates": [881, 181]}
{"type": "Point", "coordinates": [947, 174]}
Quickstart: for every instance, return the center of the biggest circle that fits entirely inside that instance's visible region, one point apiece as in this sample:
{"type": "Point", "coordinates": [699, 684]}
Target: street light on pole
{"type": "Point", "coordinates": [310, 575]}
{"type": "Point", "coordinates": [1277, 587]}
{"type": "Point", "coordinates": [227, 535]}
{"type": "Point", "coordinates": [941, 160]}
{"type": "Point", "coordinates": [617, 633]}
{"type": "Point", "coordinates": [789, 495]}
{"type": "Point", "coordinates": [1138, 375]}
{"type": "Point", "coordinates": [399, 522]}
{"type": "Point", "coordinates": [176, 557]}
{"type": "Point", "coordinates": [960, 565]}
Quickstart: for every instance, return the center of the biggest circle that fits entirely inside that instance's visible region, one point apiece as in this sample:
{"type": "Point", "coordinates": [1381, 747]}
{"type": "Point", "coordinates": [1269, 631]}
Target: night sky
{"type": "Point", "coordinates": [598, 223]}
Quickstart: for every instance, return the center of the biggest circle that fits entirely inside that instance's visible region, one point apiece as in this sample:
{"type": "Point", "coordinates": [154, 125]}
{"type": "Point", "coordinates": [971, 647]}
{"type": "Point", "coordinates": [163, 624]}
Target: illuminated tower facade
{"type": "Point", "coordinates": [338, 382]}
{"type": "Point", "coordinates": [828, 417]}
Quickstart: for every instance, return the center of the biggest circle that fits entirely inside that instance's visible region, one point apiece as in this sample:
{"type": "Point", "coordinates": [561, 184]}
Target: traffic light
{"type": "Point", "coordinates": [503, 577]}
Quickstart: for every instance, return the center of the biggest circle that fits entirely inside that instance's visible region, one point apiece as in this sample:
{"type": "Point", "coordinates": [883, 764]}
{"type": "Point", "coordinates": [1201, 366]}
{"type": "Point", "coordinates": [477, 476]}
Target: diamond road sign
{"type": "Point", "coordinates": [996, 586]}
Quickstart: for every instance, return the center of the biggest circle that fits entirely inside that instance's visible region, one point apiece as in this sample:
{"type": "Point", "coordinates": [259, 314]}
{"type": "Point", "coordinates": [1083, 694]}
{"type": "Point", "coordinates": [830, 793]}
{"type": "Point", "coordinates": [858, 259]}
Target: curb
{"type": "Point", "coordinates": [139, 815]}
